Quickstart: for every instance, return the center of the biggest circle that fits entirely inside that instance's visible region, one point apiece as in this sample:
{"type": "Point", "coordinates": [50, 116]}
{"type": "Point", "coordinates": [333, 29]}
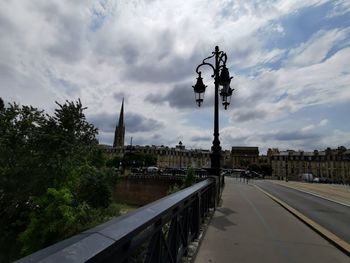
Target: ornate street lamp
{"type": "Point", "coordinates": [199, 90]}
{"type": "Point", "coordinates": [226, 93]}
{"type": "Point", "coordinates": [222, 78]}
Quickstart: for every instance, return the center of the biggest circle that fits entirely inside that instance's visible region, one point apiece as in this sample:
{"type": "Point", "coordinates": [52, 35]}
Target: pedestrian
{"type": "Point", "coordinates": [242, 175]}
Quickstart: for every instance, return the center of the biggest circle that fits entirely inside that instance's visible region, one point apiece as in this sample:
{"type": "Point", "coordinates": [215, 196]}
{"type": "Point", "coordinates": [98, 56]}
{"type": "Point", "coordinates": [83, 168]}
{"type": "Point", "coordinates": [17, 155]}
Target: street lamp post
{"type": "Point", "coordinates": [222, 78]}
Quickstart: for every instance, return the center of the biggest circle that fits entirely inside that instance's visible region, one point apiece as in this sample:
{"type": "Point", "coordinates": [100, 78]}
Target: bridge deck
{"type": "Point", "coordinates": [250, 227]}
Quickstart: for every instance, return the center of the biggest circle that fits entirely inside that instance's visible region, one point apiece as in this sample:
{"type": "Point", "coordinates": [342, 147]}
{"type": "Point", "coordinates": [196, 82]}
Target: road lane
{"type": "Point", "coordinates": [250, 227]}
{"type": "Point", "coordinates": [332, 216]}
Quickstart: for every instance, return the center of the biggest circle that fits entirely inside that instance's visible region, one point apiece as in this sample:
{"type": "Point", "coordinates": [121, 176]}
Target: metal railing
{"type": "Point", "coordinates": [158, 177]}
{"type": "Point", "coordinates": [158, 232]}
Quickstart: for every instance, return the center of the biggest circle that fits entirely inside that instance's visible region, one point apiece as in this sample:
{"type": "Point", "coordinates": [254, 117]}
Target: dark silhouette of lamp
{"type": "Point", "coordinates": [199, 90]}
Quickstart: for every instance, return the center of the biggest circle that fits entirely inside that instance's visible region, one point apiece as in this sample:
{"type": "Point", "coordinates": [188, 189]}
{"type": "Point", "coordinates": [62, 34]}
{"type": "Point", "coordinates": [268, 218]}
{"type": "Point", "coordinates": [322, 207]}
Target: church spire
{"type": "Point", "coordinates": [120, 129]}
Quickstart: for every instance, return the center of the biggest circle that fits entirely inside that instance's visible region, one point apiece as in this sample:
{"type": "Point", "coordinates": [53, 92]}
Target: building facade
{"type": "Point", "coordinates": [242, 157]}
{"type": "Point", "coordinates": [168, 157]}
{"type": "Point", "coordinates": [332, 165]}
{"type": "Point", "coordinates": [179, 156]}
{"type": "Point", "coordinates": [175, 157]}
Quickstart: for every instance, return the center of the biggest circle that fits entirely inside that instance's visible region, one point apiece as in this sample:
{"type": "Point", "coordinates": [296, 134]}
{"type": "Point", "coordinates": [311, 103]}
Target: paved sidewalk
{"type": "Point", "coordinates": [339, 193]}
{"type": "Point", "coordinates": [250, 227]}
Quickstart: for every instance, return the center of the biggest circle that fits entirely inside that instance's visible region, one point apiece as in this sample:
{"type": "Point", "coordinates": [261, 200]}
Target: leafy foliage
{"type": "Point", "coordinates": [189, 180]}
{"type": "Point", "coordinates": [59, 216]}
{"type": "Point", "coordinates": [53, 179]}
{"type": "Point", "coordinates": [138, 159]}
{"type": "Point", "coordinates": [254, 167]}
{"type": "Point", "coordinates": [174, 188]}
{"type": "Point", "coordinates": [95, 181]}
{"type": "Point", "coordinates": [132, 159]}
{"type": "Point", "coordinates": [2, 105]}
{"type": "Point", "coordinates": [244, 163]}
{"type": "Point", "coordinates": [114, 161]}
{"type": "Point", "coordinates": [266, 169]}
{"type": "Point", "coordinates": [263, 169]}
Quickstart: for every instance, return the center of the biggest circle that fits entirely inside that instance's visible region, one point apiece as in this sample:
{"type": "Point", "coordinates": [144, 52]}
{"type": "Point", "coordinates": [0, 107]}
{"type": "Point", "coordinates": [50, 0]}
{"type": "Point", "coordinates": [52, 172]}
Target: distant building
{"type": "Point", "coordinates": [226, 160]}
{"type": "Point", "coordinates": [330, 164]}
{"type": "Point", "coordinates": [242, 156]}
{"type": "Point", "coordinates": [168, 157]}
{"type": "Point", "coordinates": [119, 134]}
{"type": "Point", "coordinates": [178, 157]}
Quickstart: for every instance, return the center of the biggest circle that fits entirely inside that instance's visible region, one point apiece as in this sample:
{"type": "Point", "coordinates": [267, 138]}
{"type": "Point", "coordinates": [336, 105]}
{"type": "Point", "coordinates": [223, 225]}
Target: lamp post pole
{"type": "Point", "coordinates": [221, 77]}
{"type": "Point", "coordinates": [216, 148]}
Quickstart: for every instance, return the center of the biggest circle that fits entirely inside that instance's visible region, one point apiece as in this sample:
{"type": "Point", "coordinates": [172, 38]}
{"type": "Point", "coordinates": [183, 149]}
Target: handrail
{"type": "Point", "coordinates": [158, 232]}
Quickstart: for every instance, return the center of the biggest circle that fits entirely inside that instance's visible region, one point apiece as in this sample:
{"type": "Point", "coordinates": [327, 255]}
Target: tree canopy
{"type": "Point", "coordinates": [1, 104]}
{"type": "Point", "coordinates": [53, 179]}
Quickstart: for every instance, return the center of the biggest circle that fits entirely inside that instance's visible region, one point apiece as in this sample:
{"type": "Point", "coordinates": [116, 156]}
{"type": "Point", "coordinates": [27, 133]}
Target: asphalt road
{"type": "Point", "coordinates": [250, 227]}
{"type": "Point", "coordinates": [332, 216]}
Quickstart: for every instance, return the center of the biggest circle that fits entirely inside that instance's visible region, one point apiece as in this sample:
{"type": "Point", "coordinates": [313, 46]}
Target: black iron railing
{"type": "Point", "coordinates": [158, 232]}
{"type": "Point", "coordinates": [158, 177]}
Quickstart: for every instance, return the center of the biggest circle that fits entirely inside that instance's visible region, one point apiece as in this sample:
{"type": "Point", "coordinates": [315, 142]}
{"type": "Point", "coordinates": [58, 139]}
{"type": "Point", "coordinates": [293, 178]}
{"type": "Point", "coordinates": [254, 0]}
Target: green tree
{"type": "Point", "coordinates": [254, 167]}
{"type": "Point", "coordinates": [138, 159]}
{"type": "Point", "coordinates": [114, 161]}
{"type": "Point", "coordinates": [266, 169]}
{"type": "Point", "coordinates": [150, 159]}
{"type": "Point", "coordinates": [52, 177]}
{"type": "Point", "coordinates": [2, 105]}
{"type": "Point", "coordinates": [189, 179]}
{"type": "Point", "coordinates": [244, 163]}
{"type": "Point", "coordinates": [20, 168]}
{"type": "Point", "coordinates": [58, 215]}
{"type": "Point", "coordinates": [50, 220]}
{"type": "Point", "coordinates": [95, 186]}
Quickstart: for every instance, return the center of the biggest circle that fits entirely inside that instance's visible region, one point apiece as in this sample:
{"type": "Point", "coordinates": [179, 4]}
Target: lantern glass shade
{"type": "Point", "coordinates": [226, 102]}
{"type": "Point", "coordinates": [199, 90]}
{"type": "Point", "coordinates": [226, 93]}
{"type": "Point", "coordinates": [199, 98]}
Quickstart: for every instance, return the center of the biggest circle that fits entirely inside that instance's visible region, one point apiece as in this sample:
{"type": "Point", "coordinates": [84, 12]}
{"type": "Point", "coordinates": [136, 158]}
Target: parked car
{"type": "Point", "coordinates": [307, 177]}
{"type": "Point", "coordinates": [255, 174]}
{"type": "Point", "coordinates": [316, 180]}
{"type": "Point", "coordinates": [152, 170]}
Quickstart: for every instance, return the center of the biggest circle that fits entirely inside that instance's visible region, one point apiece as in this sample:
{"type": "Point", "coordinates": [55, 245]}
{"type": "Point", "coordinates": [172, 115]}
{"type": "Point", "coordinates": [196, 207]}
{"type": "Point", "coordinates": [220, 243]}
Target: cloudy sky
{"type": "Point", "coordinates": [290, 60]}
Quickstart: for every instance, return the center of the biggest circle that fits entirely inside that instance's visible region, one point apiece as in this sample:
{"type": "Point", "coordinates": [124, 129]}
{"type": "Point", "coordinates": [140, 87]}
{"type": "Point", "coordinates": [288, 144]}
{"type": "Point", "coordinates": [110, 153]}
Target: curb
{"type": "Point", "coordinates": [335, 240]}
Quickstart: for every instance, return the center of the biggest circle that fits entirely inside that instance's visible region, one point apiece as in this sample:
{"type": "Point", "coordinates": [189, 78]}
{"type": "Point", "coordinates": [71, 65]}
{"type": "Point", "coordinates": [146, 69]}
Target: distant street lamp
{"type": "Point", "coordinates": [222, 78]}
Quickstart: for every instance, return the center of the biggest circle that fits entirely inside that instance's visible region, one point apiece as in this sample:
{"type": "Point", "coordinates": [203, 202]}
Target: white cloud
{"type": "Point", "coordinates": [278, 28]}
{"type": "Point", "coordinates": [311, 127]}
{"type": "Point", "coordinates": [335, 139]}
{"type": "Point", "coordinates": [58, 50]}
{"type": "Point", "coordinates": [340, 7]}
{"type": "Point", "coordinates": [286, 6]}
{"type": "Point", "coordinates": [323, 123]}
{"type": "Point", "coordinates": [308, 128]}
{"type": "Point", "coordinates": [315, 49]}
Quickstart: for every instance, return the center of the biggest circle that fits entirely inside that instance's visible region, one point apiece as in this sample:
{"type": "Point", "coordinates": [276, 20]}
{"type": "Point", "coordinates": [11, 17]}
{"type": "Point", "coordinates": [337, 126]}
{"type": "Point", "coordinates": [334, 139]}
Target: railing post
{"type": "Point", "coordinates": [196, 220]}
{"type": "Point", "coordinates": [154, 254]}
{"type": "Point", "coordinates": [186, 227]}
{"type": "Point", "coordinates": [173, 239]}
